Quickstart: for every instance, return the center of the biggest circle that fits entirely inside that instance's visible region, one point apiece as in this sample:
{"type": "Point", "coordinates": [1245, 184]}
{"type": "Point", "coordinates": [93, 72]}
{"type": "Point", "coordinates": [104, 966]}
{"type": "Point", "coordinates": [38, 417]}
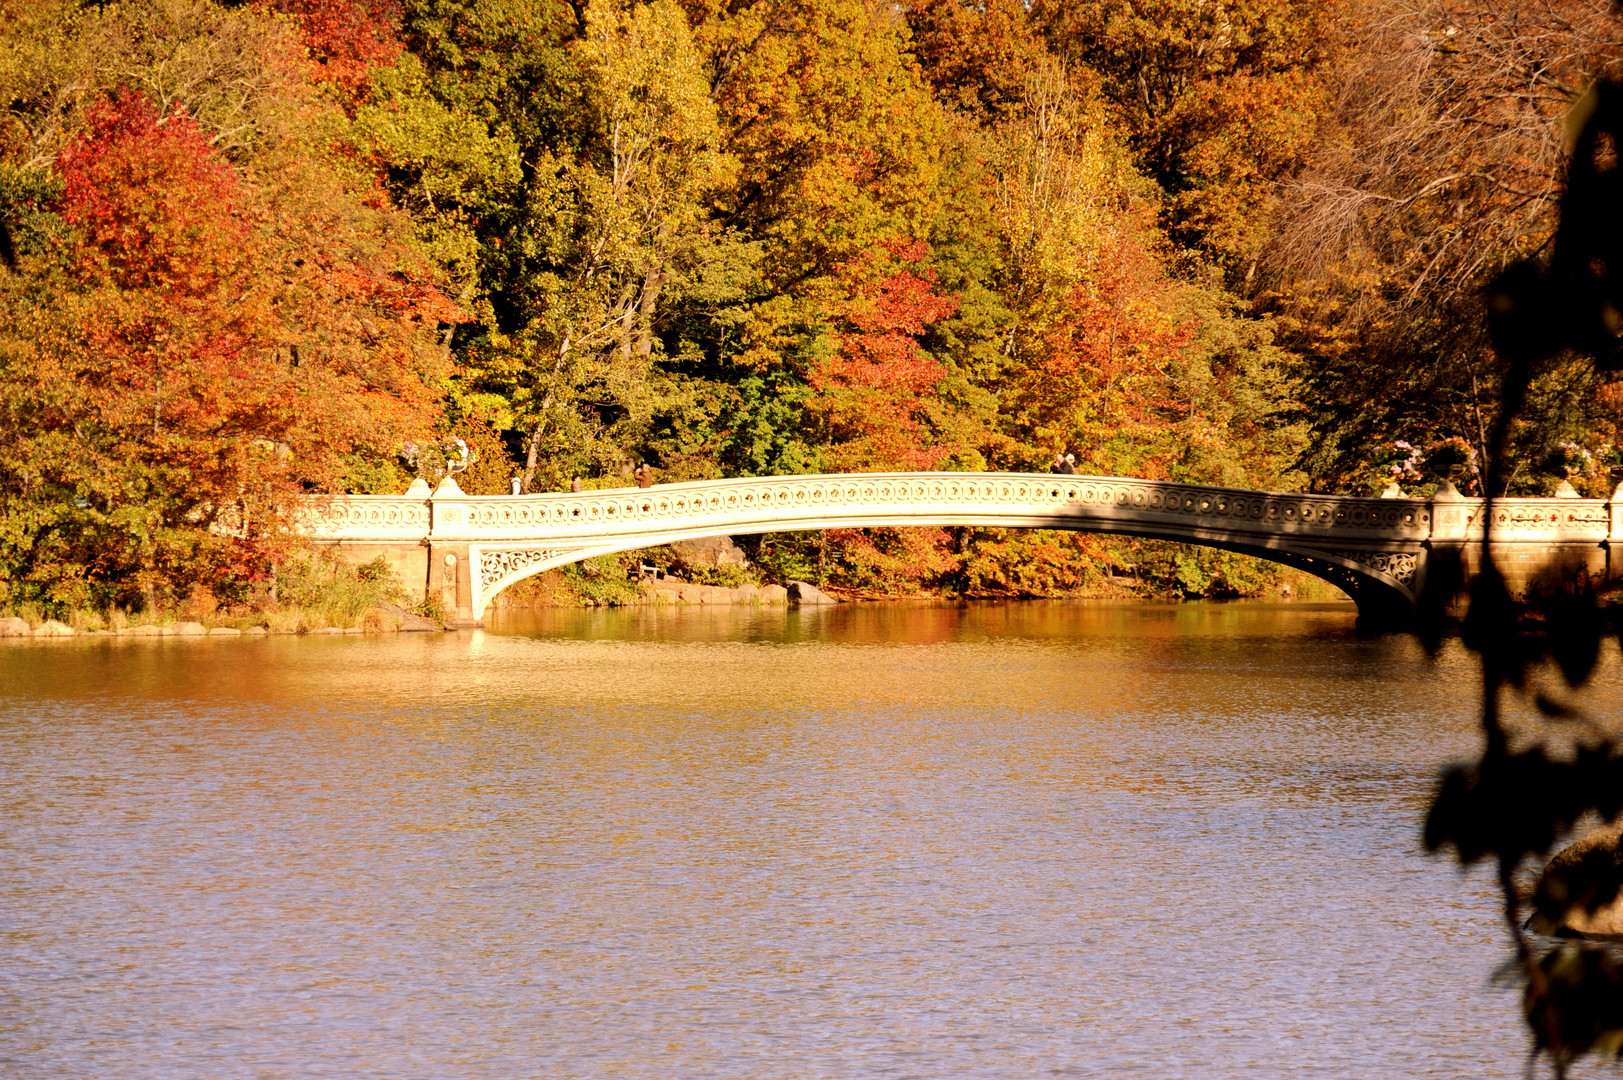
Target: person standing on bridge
{"type": "Point", "coordinates": [645, 475]}
{"type": "Point", "coordinates": [574, 485]}
{"type": "Point", "coordinates": [1059, 464]}
{"type": "Point", "coordinates": [1068, 466]}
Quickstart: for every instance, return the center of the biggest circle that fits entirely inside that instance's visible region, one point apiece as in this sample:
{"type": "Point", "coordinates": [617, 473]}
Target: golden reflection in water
{"type": "Point", "coordinates": [1000, 840]}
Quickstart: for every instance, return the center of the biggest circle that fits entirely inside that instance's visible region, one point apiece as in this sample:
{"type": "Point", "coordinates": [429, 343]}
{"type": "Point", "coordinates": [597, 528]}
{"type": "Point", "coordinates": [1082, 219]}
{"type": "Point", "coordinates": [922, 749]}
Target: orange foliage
{"type": "Point", "coordinates": [1103, 384]}
{"type": "Point", "coordinates": [872, 389]}
{"type": "Point", "coordinates": [348, 38]}
{"type": "Point", "coordinates": [890, 562]}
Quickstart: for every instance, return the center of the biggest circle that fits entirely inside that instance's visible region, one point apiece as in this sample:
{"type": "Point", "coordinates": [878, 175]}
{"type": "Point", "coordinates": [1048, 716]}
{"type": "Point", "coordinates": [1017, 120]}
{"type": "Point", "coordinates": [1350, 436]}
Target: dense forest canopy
{"type": "Point", "coordinates": [256, 249]}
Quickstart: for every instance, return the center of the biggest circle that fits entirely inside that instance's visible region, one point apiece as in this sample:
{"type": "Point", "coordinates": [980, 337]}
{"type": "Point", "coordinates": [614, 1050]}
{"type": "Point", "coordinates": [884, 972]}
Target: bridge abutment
{"type": "Point", "coordinates": [451, 581]}
{"type": "Point", "coordinates": [409, 561]}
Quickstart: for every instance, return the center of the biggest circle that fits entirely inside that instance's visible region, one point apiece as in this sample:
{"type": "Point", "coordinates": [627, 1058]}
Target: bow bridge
{"type": "Point", "coordinates": [470, 548]}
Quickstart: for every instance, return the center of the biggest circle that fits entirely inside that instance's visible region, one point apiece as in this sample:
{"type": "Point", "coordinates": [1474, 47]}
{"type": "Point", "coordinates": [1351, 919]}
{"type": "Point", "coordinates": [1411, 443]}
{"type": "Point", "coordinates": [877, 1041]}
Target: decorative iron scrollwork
{"type": "Point", "coordinates": [1400, 565]}
{"type": "Point", "coordinates": [496, 565]}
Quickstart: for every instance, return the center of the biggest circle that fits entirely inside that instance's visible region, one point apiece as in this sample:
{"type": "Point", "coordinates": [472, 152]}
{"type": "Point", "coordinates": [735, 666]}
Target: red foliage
{"type": "Point", "coordinates": [156, 208]}
{"type": "Point", "coordinates": [161, 236]}
{"type": "Point", "coordinates": [348, 38]}
{"type": "Point", "coordinates": [220, 349]}
{"type": "Point", "coordinates": [872, 390]}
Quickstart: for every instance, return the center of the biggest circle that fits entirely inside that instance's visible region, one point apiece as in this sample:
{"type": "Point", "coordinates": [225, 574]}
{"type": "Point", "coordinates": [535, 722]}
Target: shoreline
{"type": "Point", "coordinates": [52, 630]}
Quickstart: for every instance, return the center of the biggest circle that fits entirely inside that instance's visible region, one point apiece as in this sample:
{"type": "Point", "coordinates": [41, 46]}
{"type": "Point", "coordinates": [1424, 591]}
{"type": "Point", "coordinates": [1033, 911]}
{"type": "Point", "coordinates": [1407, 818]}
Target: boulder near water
{"type": "Point", "coordinates": [807, 595]}
{"type": "Point", "coordinates": [709, 551]}
{"type": "Point", "coordinates": [144, 630]}
{"type": "Point", "coordinates": [185, 629]}
{"type": "Point", "coordinates": [774, 594]}
{"type": "Point", "coordinates": [52, 628]}
{"type": "Point", "coordinates": [408, 622]}
{"type": "Point", "coordinates": [1599, 855]}
{"type": "Point", "coordinates": [14, 627]}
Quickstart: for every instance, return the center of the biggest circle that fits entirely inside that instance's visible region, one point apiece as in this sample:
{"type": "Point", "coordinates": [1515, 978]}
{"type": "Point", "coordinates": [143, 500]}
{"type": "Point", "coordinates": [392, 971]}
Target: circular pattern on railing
{"type": "Point", "coordinates": [919, 490]}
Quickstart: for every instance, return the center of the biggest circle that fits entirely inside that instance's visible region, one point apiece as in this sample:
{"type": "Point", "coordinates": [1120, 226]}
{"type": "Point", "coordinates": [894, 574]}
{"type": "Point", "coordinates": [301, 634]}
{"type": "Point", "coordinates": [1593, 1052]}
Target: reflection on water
{"type": "Point", "coordinates": [1001, 841]}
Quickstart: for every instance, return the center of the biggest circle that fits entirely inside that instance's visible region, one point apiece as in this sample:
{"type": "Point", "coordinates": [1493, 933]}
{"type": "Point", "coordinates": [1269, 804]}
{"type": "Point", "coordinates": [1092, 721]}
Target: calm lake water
{"type": "Point", "coordinates": [1004, 841]}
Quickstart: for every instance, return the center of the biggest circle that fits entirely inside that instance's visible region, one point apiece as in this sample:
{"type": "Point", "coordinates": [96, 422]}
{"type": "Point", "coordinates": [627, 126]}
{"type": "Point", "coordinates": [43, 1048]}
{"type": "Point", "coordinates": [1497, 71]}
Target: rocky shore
{"type": "Point", "coordinates": [392, 618]}
{"type": "Point", "coordinates": [671, 591]}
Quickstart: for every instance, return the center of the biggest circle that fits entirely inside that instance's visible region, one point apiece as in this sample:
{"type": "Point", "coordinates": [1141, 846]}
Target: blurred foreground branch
{"type": "Point", "coordinates": [1522, 797]}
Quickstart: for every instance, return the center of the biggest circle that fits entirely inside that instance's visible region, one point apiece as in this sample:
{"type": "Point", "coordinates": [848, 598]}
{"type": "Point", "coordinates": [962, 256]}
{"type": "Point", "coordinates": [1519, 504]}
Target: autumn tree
{"type": "Point", "coordinates": [876, 386]}
{"type": "Point", "coordinates": [203, 320]}
{"type": "Point", "coordinates": [1442, 165]}
{"type": "Point", "coordinates": [1219, 102]}
{"type": "Point", "coordinates": [346, 38]}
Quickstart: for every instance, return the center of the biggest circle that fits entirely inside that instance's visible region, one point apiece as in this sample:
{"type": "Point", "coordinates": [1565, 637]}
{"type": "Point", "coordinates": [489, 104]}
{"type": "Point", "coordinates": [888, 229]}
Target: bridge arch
{"type": "Point", "coordinates": [1383, 592]}
{"type": "Point", "coordinates": [1372, 549]}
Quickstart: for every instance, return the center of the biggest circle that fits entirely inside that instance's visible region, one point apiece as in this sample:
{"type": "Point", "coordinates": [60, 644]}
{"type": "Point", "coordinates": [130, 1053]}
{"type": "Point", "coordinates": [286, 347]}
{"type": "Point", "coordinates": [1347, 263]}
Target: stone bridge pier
{"type": "Point", "coordinates": [466, 549]}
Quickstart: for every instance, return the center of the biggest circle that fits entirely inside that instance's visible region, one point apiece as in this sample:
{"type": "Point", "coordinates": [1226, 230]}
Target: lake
{"type": "Point", "coordinates": [1003, 840]}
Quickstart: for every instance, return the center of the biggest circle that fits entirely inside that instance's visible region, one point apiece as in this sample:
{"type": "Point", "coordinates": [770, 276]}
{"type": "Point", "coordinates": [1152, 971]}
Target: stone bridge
{"type": "Point", "coordinates": [470, 548]}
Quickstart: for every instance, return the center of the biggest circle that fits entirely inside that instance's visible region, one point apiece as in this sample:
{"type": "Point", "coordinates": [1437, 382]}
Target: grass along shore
{"type": "Point", "coordinates": [311, 593]}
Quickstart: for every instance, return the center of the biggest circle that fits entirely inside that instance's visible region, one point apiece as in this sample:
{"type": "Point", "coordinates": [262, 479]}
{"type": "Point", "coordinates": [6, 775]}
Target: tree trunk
{"type": "Point", "coordinates": [534, 453]}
